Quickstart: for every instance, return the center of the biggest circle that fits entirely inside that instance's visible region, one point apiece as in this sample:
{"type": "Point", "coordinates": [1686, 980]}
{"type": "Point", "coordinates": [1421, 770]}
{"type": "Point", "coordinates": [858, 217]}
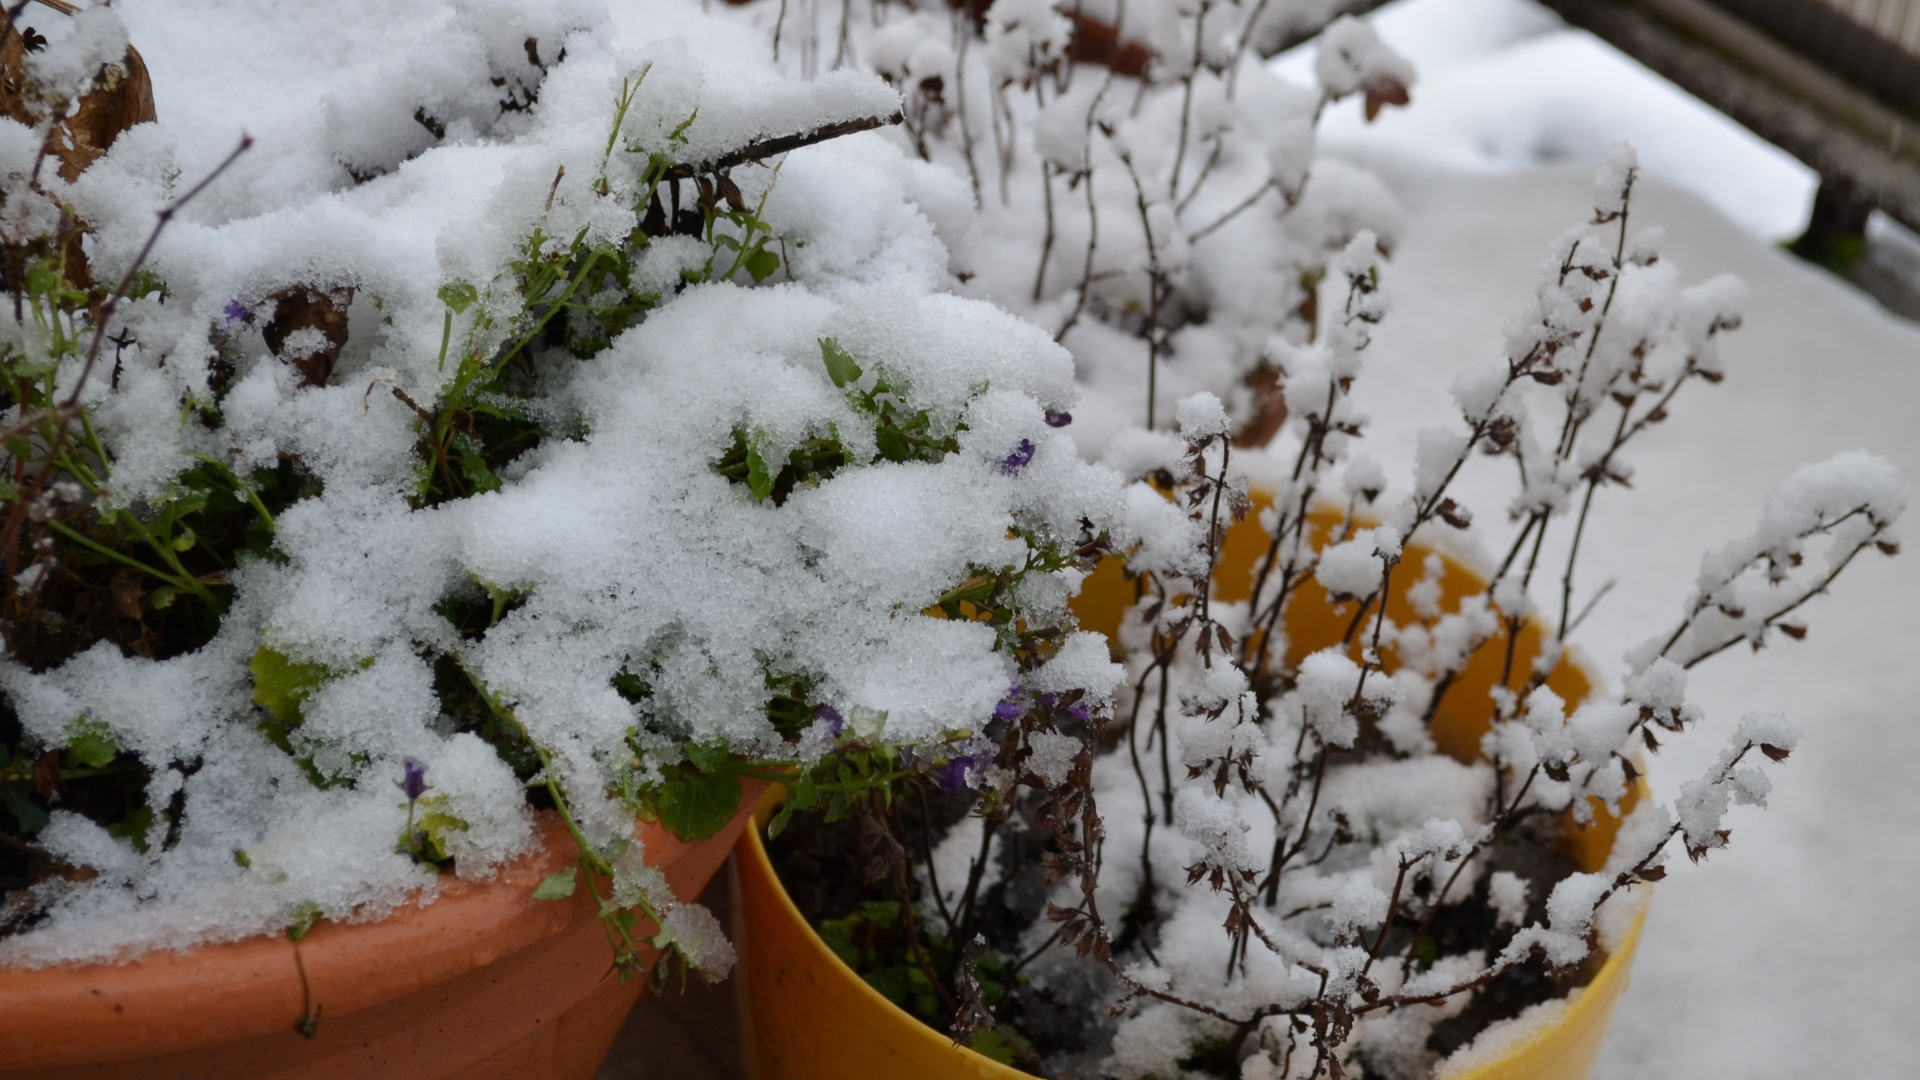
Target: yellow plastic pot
{"type": "Point", "coordinates": [808, 1016]}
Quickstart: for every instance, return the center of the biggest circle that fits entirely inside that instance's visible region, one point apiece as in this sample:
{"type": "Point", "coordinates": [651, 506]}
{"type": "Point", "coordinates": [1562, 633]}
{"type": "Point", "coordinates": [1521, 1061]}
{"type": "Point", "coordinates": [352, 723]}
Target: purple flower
{"type": "Point", "coordinates": [1007, 710]}
{"type": "Point", "coordinates": [1019, 458]}
{"type": "Point", "coordinates": [834, 721]}
{"type": "Point", "coordinates": [1079, 711]}
{"type": "Point", "coordinates": [1047, 701]}
{"type": "Point", "coordinates": [963, 770]}
{"type": "Point", "coordinates": [1058, 418]}
{"type": "Point", "coordinates": [234, 312]}
{"type": "Point", "coordinates": [415, 783]}
{"type": "Point", "coordinates": [952, 776]}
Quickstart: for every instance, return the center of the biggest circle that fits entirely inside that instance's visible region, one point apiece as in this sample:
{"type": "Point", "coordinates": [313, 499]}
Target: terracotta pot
{"type": "Point", "coordinates": [484, 983]}
{"type": "Point", "coordinates": [808, 1016]}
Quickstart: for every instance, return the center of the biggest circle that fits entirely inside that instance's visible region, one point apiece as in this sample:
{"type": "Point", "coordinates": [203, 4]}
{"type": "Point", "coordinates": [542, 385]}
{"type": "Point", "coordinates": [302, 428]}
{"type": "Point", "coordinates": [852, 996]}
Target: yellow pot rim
{"type": "Point", "coordinates": [1539, 1050]}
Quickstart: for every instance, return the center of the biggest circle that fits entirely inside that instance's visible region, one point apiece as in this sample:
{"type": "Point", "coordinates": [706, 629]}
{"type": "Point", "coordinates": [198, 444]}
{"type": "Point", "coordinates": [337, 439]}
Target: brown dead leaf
{"type": "Point", "coordinates": [1269, 407]}
{"type": "Point", "coordinates": [1383, 92]}
{"type": "Point", "coordinates": [46, 774]}
{"type": "Point", "coordinates": [303, 307]}
{"type": "Point", "coordinates": [120, 97]}
{"type": "Point", "coordinates": [127, 594]}
{"type": "Point", "coordinates": [1096, 42]}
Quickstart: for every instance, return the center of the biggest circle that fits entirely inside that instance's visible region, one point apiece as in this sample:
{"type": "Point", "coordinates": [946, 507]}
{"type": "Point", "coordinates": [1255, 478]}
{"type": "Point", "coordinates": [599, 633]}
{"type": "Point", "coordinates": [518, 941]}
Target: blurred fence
{"type": "Point", "coordinates": [1875, 43]}
{"type": "Point", "coordinates": [1835, 83]}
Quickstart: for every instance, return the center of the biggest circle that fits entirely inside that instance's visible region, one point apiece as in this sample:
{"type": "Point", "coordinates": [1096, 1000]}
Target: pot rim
{"type": "Point", "coordinates": [167, 1001]}
{"type": "Point", "coordinates": [1541, 1048]}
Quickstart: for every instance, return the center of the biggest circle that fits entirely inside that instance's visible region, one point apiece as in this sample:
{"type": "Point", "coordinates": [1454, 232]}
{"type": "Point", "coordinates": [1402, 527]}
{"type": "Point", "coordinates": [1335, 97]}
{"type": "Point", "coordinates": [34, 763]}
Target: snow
{"type": "Point", "coordinates": [1505, 85]}
{"type": "Point", "coordinates": [626, 549]}
{"type": "Point", "coordinates": [1750, 961]}
{"type": "Point", "coordinates": [1753, 958]}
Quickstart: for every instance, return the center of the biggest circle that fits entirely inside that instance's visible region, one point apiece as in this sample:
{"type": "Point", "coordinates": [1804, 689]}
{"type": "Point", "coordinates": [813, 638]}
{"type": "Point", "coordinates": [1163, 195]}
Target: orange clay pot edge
{"type": "Point", "coordinates": [166, 1002]}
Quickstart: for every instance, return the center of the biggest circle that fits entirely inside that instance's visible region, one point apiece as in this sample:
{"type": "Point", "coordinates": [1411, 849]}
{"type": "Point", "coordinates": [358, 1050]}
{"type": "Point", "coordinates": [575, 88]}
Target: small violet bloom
{"type": "Point", "coordinates": [1079, 711]}
{"type": "Point", "coordinates": [415, 783]}
{"type": "Point", "coordinates": [964, 770]}
{"type": "Point", "coordinates": [1058, 418]}
{"type": "Point", "coordinates": [836, 723]}
{"type": "Point", "coordinates": [952, 776]}
{"type": "Point", "coordinates": [1007, 710]}
{"type": "Point", "coordinates": [234, 312]}
{"type": "Point", "coordinates": [1048, 701]}
{"type": "Point", "coordinates": [1019, 458]}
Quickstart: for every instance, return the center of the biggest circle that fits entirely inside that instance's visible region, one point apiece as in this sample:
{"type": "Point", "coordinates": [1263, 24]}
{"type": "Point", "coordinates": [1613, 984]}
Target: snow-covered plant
{"type": "Point", "coordinates": [1146, 189]}
{"type": "Point", "coordinates": [1288, 851]}
{"type": "Point", "coordinates": [591, 466]}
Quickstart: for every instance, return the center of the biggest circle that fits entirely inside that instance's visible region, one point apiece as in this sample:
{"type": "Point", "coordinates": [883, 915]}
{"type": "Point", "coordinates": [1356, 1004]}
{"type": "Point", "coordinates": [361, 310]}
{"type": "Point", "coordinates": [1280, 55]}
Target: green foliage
{"type": "Point", "coordinates": [28, 815]}
{"type": "Point", "coordinates": [558, 885]}
{"type": "Point", "coordinates": [900, 434]}
{"type": "Point", "coordinates": [134, 827]}
{"type": "Point", "coordinates": [806, 465]}
{"type": "Point", "coordinates": [91, 743]}
{"type": "Point", "coordinates": [895, 955]}
{"type": "Point", "coordinates": [840, 366]}
{"type": "Point", "coordinates": [790, 700]}
{"type": "Point", "coordinates": [304, 918]}
{"type": "Point", "coordinates": [1004, 1046]}
{"type": "Point", "coordinates": [631, 687]}
{"type": "Point", "coordinates": [281, 684]}
{"type": "Point", "coordinates": [428, 839]}
{"type": "Point", "coordinates": [694, 806]}
{"type": "Point", "coordinates": [458, 296]}
{"type": "Point", "coordinates": [832, 786]}
{"type": "Point", "coordinates": [562, 299]}
{"type": "Point", "coordinates": [696, 799]}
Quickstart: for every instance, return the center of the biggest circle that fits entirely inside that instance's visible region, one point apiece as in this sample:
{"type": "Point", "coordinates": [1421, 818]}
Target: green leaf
{"type": "Point", "coordinates": [631, 687]}
{"type": "Point", "coordinates": [838, 936]}
{"type": "Point", "coordinates": [458, 295]}
{"type": "Point", "coordinates": [711, 756]}
{"type": "Point", "coordinates": [779, 823]}
{"type": "Point", "coordinates": [558, 885]}
{"type": "Point", "coordinates": [1004, 1045]}
{"type": "Point", "coordinates": [303, 920]}
{"type": "Point", "coordinates": [761, 264]}
{"type": "Point", "coordinates": [26, 813]}
{"type": "Point", "coordinates": [679, 134]}
{"type": "Point", "coordinates": [437, 826]}
{"type": "Point", "coordinates": [91, 743]}
{"type": "Point", "coordinates": [280, 684]}
{"type": "Point", "coordinates": [759, 477]}
{"type": "Point", "coordinates": [134, 827]}
{"type": "Point", "coordinates": [695, 807]}
{"type": "Point", "coordinates": [840, 366]}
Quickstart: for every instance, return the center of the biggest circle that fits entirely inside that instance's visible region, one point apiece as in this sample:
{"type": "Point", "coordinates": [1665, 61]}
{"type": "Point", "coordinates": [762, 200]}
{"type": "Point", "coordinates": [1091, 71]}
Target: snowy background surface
{"type": "Point", "coordinates": [1793, 953]}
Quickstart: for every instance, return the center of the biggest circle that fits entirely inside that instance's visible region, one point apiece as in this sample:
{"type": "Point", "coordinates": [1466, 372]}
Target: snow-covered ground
{"type": "Point", "coordinates": [1791, 954]}
{"type": "Point", "coordinates": [1504, 85]}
